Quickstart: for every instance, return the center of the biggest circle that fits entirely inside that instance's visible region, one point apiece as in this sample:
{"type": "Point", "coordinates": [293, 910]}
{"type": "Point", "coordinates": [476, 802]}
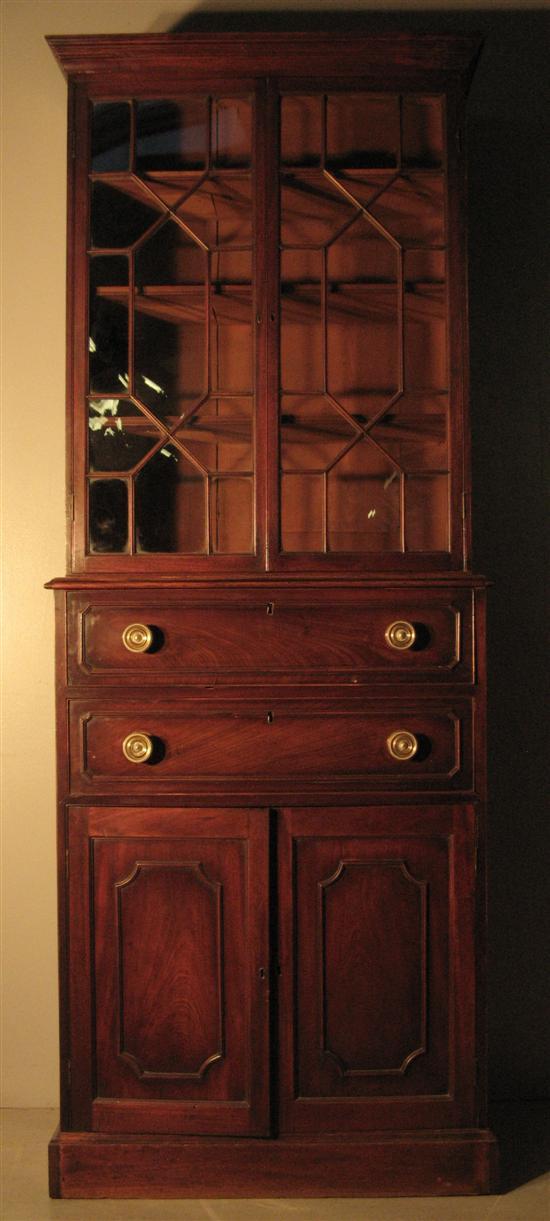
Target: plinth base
{"type": "Point", "coordinates": [86, 1165]}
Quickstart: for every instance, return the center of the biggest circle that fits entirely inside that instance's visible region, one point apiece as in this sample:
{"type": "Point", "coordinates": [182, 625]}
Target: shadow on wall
{"type": "Point", "coordinates": [507, 207]}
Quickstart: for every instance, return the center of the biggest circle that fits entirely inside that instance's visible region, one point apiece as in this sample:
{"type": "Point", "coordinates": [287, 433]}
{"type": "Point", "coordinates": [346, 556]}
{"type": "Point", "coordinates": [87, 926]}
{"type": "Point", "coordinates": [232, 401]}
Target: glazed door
{"type": "Point", "coordinates": [367, 400]}
{"type": "Point", "coordinates": [377, 927]}
{"type": "Point", "coordinates": [166, 391]}
{"type": "Point", "coordinates": [169, 939]}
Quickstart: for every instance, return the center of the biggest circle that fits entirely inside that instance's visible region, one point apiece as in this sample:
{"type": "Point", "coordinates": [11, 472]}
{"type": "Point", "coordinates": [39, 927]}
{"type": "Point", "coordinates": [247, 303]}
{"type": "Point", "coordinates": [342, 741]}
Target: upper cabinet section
{"type": "Point", "coordinates": [267, 303]}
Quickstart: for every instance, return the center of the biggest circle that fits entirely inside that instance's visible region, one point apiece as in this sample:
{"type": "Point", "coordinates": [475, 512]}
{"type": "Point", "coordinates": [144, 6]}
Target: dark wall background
{"type": "Point", "coordinates": [508, 146]}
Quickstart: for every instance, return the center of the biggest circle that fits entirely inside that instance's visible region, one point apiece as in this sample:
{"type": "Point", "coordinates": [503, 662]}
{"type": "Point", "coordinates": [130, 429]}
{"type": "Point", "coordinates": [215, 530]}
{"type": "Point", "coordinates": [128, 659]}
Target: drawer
{"type": "Point", "coordinates": [415, 636]}
{"type": "Point", "coordinates": [241, 747]}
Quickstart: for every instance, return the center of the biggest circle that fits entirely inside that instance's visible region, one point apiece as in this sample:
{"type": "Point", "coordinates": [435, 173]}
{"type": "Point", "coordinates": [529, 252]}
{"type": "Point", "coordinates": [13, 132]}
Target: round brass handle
{"type": "Point", "coordinates": [400, 635]}
{"type": "Point", "coordinates": [137, 638]}
{"type": "Point", "coordinates": [402, 744]}
{"type": "Point", "coordinates": [137, 747]}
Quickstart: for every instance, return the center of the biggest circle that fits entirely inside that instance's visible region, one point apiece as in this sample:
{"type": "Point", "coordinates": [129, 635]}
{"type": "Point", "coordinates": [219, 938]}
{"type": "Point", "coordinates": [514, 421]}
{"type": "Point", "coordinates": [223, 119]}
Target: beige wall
{"type": "Point", "coordinates": [33, 449]}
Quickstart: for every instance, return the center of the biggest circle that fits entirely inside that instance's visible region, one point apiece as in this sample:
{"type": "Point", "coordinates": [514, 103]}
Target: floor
{"type": "Point", "coordinates": [522, 1130]}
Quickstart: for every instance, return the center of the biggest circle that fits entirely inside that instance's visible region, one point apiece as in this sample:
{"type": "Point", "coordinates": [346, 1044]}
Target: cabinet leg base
{"type": "Point", "coordinates": [86, 1165]}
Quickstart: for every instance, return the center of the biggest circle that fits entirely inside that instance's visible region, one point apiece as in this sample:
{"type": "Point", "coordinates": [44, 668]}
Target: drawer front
{"type": "Point", "coordinates": [425, 635]}
{"type": "Point", "coordinates": [388, 744]}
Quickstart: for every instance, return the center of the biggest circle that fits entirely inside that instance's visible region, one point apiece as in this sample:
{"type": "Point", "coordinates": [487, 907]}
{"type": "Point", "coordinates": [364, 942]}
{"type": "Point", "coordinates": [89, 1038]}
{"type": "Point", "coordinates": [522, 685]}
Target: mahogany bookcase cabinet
{"type": "Point", "coordinates": [271, 667]}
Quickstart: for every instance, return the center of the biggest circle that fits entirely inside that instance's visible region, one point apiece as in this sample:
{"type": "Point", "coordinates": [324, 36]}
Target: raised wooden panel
{"type": "Point", "coordinates": [171, 980]}
{"type": "Point", "coordinates": [169, 909]}
{"type": "Point", "coordinates": [377, 933]}
{"type": "Point", "coordinates": [275, 636]}
{"type": "Point", "coordinates": [286, 744]}
{"type": "Point", "coordinates": [365, 975]}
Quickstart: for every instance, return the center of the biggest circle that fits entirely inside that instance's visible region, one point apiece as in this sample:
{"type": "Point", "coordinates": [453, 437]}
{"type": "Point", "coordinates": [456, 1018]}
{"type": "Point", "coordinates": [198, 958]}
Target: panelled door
{"type": "Point", "coordinates": [169, 920]}
{"type": "Point", "coordinates": [377, 926]}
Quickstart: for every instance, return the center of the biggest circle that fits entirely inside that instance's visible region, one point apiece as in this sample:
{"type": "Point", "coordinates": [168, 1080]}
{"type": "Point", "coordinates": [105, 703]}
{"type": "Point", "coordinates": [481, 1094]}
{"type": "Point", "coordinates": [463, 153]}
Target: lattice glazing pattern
{"type": "Point", "coordinates": [363, 364]}
{"type": "Point", "coordinates": [171, 399]}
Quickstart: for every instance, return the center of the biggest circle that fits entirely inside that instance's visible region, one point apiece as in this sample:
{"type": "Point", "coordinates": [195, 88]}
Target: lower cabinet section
{"type": "Point", "coordinates": [256, 973]}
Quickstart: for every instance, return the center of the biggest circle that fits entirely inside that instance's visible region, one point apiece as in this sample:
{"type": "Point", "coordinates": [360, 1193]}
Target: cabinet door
{"type": "Point", "coordinates": [368, 397]}
{"type": "Point", "coordinates": [172, 358]}
{"type": "Point", "coordinates": [377, 924]}
{"type": "Point", "coordinates": [169, 944]}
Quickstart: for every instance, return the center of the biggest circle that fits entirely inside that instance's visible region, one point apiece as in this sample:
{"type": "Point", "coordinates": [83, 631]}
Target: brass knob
{"type": "Point", "coordinates": [402, 744]}
{"type": "Point", "coordinates": [137, 638]}
{"type": "Point", "coordinates": [137, 747]}
{"type": "Point", "coordinates": [400, 635]}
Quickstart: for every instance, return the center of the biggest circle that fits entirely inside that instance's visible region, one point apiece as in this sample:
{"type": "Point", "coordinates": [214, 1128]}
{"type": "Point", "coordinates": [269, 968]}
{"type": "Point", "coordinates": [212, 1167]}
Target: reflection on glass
{"type": "Point", "coordinates": [108, 341]}
{"type": "Point", "coordinates": [110, 136]}
{"type": "Point", "coordinates": [108, 515]}
{"type": "Point", "coordinates": [119, 435]}
{"type": "Point", "coordinates": [170, 504]}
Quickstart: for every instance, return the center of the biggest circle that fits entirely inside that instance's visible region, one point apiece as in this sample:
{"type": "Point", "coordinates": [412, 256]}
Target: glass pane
{"type": "Point", "coordinates": [120, 214]}
{"type": "Point", "coordinates": [219, 435]}
{"type": "Point", "coordinates": [170, 504]}
{"type": "Point", "coordinates": [426, 312]}
{"type": "Point", "coordinates": [363, 353]}
{"type": "Point", "coordinates": [414, 432]}
{"type": "Point", "coordinates": [364, 503]}
{"type": "Point", "coordinates": [219, 210]}
{"type": "Point", "coordinates": [119, 435]}
{"type": "Point", "coordinates": [231, 515]}
{"type": "Point", "coordinates": [313, 210]}
{"type": "Point", "coordinates": [231, 132]}
{"type": "Point", "coordinates": [427, 513]}
{"type": "Point", "coordinates": [301, 139]}
{"type": "Point", "coordinates": [422, 126]}
{"type": "Point", "coordinates": [110, 136]}
{"type": "Point", "coordinates": [231, 327]}
{"type": "Point", "coordinates": [108, 515]}
{"type": "Point", "coordinates": [313, 433]}
{"type": "Point", "coordinates": [108, 339]}
{"type": "Point", "coordinates": [362, 129]}
{"type": "Point", "coordinates": [412, 209]}
{"type": "Point", "coordinates": [302, 338]}
{"type": "Point", "coordinates": [170, 373]}
{"type": "Point", "coordinates": [302, 512]}
{"type": "Point", "coordinates": [172, 135]}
